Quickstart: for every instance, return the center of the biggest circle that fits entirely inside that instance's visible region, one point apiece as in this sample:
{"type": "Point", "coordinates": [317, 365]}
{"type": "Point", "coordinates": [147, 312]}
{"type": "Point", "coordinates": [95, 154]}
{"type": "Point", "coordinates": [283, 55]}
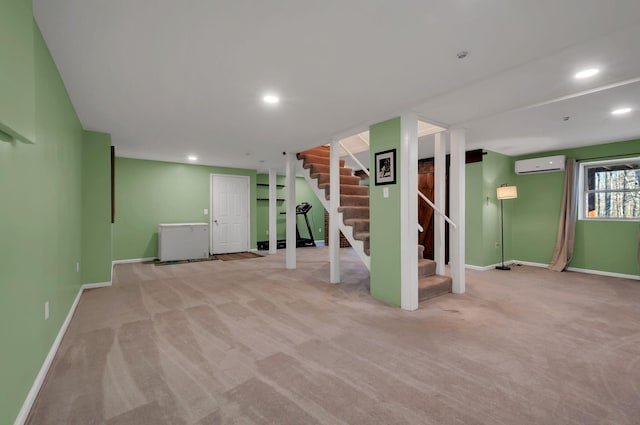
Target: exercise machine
{"type": "Point", "coordinates": [301, 209]}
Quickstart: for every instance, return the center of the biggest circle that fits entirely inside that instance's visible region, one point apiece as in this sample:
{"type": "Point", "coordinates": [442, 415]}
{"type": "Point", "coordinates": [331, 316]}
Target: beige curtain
{"type": "Point", "coordinates": [568, 215]}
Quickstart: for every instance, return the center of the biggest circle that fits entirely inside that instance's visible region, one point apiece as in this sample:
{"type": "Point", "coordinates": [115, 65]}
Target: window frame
{"type": "Point", "coordinates": [583, 189]}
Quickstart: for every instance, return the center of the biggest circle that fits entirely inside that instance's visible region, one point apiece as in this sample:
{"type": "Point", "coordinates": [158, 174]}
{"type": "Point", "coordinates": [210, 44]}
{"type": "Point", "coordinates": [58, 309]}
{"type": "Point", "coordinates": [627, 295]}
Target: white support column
{"type": "Point", "coordinates": [408, 166]}
{"type": "Point", "coordinates": [334, 203]}
{"type": "Point", "coordinates": [273, 213]}
{"type": "Point", "coordinates": [457, 204]}
{"type": "Point", "coordinates": [440, 176]}
{"type": "Point", "coordinates": [291, 211]}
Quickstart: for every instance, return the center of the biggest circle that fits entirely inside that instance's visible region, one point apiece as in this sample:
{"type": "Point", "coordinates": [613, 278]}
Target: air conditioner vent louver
{"type": "Point", "coordinates": [540, 165]}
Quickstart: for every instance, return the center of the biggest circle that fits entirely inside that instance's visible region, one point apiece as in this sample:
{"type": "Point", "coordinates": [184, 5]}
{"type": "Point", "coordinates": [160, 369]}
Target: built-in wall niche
{"type": "Point", "coordinates": [263, 192]}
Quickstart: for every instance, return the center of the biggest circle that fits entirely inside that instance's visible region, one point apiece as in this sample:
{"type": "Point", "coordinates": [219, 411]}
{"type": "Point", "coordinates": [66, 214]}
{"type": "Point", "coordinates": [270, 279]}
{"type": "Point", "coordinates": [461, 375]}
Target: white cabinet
{"type": "Point", "coordinates": [183, 241]}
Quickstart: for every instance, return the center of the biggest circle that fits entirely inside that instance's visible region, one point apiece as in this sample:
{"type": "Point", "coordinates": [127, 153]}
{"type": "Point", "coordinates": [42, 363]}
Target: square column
{"type": "Point", "coordinates": [457, 204]}
{"type": "Point", "coordinates": [409, 211]}
{"type": "Point", "coordinates": [273, 213]}
{"type": "Point", "coordinates": [393, 225]}
{"type": "Point", "coordinates": [334, 203]}
{"type": "Point", "coordinates": [290, 182]}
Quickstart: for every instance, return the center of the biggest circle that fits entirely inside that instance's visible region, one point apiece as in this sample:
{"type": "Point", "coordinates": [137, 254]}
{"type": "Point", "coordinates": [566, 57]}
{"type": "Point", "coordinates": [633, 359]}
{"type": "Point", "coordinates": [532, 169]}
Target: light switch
{"type": "Point", "coordinates": [206, 211]}
{"type": "Point", "coordinates": [385, 192]}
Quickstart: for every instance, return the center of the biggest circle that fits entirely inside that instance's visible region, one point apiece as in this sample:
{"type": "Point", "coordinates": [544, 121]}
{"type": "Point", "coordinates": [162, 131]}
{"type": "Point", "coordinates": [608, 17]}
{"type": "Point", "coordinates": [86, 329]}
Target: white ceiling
{"type": "Point", "coordinates": [168, 79]}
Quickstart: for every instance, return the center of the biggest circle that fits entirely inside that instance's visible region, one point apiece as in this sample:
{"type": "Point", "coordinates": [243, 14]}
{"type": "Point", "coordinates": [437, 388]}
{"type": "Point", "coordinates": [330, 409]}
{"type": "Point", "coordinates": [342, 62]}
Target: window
{"type": "Point", "coordinates": [610, 190]}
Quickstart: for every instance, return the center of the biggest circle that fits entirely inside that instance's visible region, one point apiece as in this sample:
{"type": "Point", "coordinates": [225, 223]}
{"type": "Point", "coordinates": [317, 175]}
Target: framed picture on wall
{"type": "Point", "coordinates": [385, 167]}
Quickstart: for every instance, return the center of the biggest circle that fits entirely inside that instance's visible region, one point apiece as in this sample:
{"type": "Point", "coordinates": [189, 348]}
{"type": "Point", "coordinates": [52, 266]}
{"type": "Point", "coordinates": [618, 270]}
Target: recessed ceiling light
{"type": "Point", "coordinates": [192, 158]}
{"type": "Point", "coordinates": [586, 73]}
{"type": "Point", "coordinates": [270, 98]}
{"type": "Point", "coordinates": [621, 111]}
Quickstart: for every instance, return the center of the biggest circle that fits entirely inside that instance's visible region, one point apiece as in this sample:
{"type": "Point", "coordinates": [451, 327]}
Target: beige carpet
{"type": "Point", "coordinates": [247, 342]}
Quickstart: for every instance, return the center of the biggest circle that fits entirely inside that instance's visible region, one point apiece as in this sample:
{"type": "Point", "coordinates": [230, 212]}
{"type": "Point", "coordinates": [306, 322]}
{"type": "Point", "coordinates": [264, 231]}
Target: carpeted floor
{"type": "Point", "coordinates": [247, 342]}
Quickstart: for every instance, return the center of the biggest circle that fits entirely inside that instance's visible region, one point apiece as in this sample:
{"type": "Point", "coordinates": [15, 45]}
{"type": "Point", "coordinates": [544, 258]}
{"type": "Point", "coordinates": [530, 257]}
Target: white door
{"type": "Point", "coordinates": [229, 213]}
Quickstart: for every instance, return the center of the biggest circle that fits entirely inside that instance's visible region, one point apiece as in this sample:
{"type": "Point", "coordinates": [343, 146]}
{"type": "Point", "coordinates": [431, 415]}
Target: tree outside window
{"type": "Point", "coordinates": [611, 190]}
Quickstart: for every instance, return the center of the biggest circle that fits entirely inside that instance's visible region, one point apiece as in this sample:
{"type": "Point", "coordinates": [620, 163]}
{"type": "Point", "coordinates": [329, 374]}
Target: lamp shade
{"type": "Point", "coordinates": [507, 192]}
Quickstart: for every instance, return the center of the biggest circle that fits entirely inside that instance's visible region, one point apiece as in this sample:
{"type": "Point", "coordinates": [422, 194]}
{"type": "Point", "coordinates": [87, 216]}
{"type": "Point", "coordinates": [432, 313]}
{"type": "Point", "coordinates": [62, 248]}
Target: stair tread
{"type": "Point", "coordinates": [324, 168]}
{"type": "Point", "coordinates": [433, 286]}
{"type": "Point", "coordinates": [359, 219]}
{"type": "Point", "coordinates": [354, 207]}
{"type": "Point", "coordinates": [362, 236]}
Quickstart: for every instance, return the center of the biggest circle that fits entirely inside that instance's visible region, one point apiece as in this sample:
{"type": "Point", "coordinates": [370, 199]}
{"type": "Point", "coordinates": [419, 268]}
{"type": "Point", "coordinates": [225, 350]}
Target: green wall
{"type": "Point", "coordinates": [152, 192]}
{"type": "Point", "coordinates": [475, 202]}
{"type": "Point", "coordinates": [483, 210]}
{"type": "Point", "coordinates": [610, 246]}
{"type": "Point", "coordinates": [96, 208]}
{"type": "Point", "coordinates": [17, 62]}
{"type": "Point", "coordinates": [497, 170]}
{"type": "Point", "coordinates": [385, 218]}
{"type": "Point", "coordinates": [40, 209]}
{"type": "Point", "coordinates": [303, 194]}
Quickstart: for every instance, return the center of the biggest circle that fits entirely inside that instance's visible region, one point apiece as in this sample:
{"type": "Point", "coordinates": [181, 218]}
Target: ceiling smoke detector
{"type": "Point", "coordinates": [463, 54]}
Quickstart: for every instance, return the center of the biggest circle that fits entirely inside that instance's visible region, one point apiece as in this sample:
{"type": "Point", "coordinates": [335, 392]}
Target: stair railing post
{"type": "Point", "coordinates": [439, 198]}
{"type": "Point", "coordinates": [291, 211]}
{"type": "Point", "coordinates": [334, 204]}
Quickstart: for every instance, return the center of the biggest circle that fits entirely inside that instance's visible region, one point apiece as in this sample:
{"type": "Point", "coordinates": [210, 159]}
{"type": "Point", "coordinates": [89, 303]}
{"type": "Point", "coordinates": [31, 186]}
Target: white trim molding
{"type": "Point", "coordinates": [603, 273]}
{"type": "Point", "coordinates": [133, 260]}
{"type": "Point", "coordinates": [42, 374]}
{"type": "Point", "coordinates": [527, 263]}
{"type": "Point", "coordinates": [96, 285]}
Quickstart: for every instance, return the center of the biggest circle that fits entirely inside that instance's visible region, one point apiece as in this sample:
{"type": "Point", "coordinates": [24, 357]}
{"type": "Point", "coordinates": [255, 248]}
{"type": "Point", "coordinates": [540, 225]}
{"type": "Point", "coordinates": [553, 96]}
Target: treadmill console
{"type": "Point", "coordinates": [303, 208]}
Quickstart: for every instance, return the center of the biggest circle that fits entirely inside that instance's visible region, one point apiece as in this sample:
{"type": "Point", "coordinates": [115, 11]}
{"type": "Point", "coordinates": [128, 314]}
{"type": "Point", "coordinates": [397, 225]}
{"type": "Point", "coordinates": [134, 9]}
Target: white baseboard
{"type": "Point", "coordinates": [96, 285]}
{"type": "Point", "coordinates": [133, 260]}
{"type": "Point", "coordinates": [580, 270]}
{"type": "Point", "coordinates": [489, 267]}
{"type": "Point", "coordinates": [42, 374]}
{"type": "Point", "coordinates": [603, 273]}
{"type": "Point", "coordinates": [530, 263]}
{"type": "Point", "coordinates": [253, 250]}
{"type": "Point", "coordinates": [37, 384]}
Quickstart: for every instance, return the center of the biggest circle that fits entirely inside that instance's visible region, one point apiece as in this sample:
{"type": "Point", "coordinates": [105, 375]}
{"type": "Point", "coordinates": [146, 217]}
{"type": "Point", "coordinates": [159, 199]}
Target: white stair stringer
{"type": "Point", "coordinates": [347, 231]}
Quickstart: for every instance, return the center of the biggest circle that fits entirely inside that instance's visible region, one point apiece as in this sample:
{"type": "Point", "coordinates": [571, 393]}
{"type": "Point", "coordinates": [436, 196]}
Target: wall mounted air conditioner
{"type": "Point", "coordinates": [540, 165]}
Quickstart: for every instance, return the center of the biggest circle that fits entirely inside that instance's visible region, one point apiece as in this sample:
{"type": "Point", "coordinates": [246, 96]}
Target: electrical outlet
{"type": "Point", "coordinates": [78, 267]}
{"type": "Point", "coordinates": [206, 211]}
{"type": "Point", "coordinates": [46, 310]}
{"type": "Point", "coordinates": [267, 232]}
{"type": "Point", "coordinates": [319, 229]}
{"type": "Point", "coordinates": [497, 244]}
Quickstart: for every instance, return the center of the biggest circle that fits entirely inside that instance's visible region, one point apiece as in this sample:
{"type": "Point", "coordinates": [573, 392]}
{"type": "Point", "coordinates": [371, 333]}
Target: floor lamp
{"type": "Point", "coordinates": [504, 192]}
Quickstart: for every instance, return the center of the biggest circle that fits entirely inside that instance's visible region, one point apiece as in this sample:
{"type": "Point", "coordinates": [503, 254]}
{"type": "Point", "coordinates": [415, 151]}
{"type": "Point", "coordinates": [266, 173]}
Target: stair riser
{"type": "Point", "coordinates": [346, 190]}
{"type": "Point", "coordinates": [358, 226]}
{"type": "Point", "coordinates": [321, 168]}
{"type": "Point", "coordinates": [322, 151]}
{"type": "Point", "coordinates": [345, 180]}
{"type": "Point", "coordinates": [425, 270]}
{"type": "Point", "coordinates": [424, 295]}
{"type": "Point", "coordinates": [354, 212]}
{"type": "Point", "coordinates": [354, 201]}
{"type": "Point", "coordinates": [313, 159]}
